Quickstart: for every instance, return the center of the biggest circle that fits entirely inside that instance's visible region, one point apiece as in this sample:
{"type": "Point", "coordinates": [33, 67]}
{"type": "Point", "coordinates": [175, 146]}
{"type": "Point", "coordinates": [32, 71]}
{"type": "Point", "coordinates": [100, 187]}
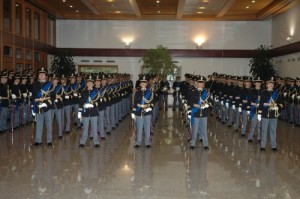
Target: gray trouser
{"type": "Point", "coordinates": [112, 116]}
{"type": "Point", "coordinates": [200, 123]}
{"type": "Point", "coordinates": [67, 114]}
{"type": "Point", "coordinates": [58, 116]}
{"type": "Point", "coordinates": [26, 114]}
{"type": "Point", "coordinates": [254, 125]}
{"type": "Point", "coordinates": [101, 123]}
{"type": "Point", "coordinates": [143, 122]}
{"type": "Point", "coordinates": [40, 117]}
{"type": "Point", "coordinates": [107, 119]}
{"type": "Point", "coordinates": [272, 124]}
{"type": "Point", "coordinates": [237, 118]}
{"type": "Point", "coordinates": [3, 118]}
{"type": "Point", "coordinates": [176, 98]}
{"type": "Point", "coordinates": [297, 114]}
{"type": "Point", "coordinates": [245, 120]}
{"type": "Point", "coordinates": [230, 115]}
{"type": "Point", "coordinates": [75, 108]}
{"type": "Point", "coordinates": [15, 116]}
{"type": "Point", "coordinates": [86, 122]}
{"type": "Point", "coordinates": [164, 98]}
{"type": "Point", "coordinates": [291, 113]}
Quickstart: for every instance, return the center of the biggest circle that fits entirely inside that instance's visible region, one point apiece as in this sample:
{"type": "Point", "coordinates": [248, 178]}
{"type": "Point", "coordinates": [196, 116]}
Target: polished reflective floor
{"type": "Point", "coordinates": [231, 169]}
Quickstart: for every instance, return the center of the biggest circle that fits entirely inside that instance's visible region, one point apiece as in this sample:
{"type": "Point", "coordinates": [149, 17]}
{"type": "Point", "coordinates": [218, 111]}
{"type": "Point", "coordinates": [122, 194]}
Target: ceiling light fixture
{"type": "Point", "coordinates": [77, 10]}
{"type": "Point", "coordinates": [64, 1]}
{"type": "Point", "coordinates": [253, 1]}
{"type": "Point", "coordinates": [157, 1]}
{"type": "Point", "coordinates": [199, 12]}
{"type": "Point", "coordinates": [71, 6]}
{"type": "Point", "coordinates": [118, 12]}
{"type": "Point", "coordinates": [247, 7]}
{"type": "Point", "coordinates": [202, 8]}
{"type": "Point", "coordinates": [158, 11]}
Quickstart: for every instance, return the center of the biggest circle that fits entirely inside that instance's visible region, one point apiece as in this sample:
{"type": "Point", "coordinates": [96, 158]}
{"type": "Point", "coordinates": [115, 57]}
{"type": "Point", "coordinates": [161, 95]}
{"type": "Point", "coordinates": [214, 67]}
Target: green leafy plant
{"type": "Point", "coordinates": [62, 63]}
{"type": "Point", "coordinates": [158, 61]}
{"type": "Point", "coordinates": [261, 65]}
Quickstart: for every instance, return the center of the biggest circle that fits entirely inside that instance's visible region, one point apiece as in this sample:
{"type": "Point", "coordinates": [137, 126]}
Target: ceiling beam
{"type": "Point", "coordinates": [45, 6]}
{"type": "Point", "coordinates": [135, 8]}
{"type": "Point", "coordinates": [180, 8]}
{"type": "Point", "coordinates": [91, 6]}
{"type": "Point", "coordinates": [273, 8]}
{"type": "Point", "coordinates": [225, 8]}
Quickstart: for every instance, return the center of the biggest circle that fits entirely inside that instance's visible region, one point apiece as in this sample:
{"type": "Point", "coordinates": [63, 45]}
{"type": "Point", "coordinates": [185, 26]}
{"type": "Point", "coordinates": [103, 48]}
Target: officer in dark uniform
{"type": "Point", "coordinates": [142, 111]}
{"type": "Point", "coordinates": [297, 103]}
{"type": "Point", "coordinates": [25, 111]}
{"type": "Point", "coordinates": [255, 113]}
{"type": "Point", "coordinates": [17, 101]}
{"type": "Point", "coordinates": [88, 112]}
{"type": "Point", "coordinates": [199, 100]}
{"type": "Point", "coordinates": [42, 98]}
{"type": "Point", "coordinates": [57, 104]}
{"type": "Point", "coordinates": [4, 101]}
{"type": "Point", "coordinates": [165, 87]}
{"type": "Point", "coordinates": [67, 102]}
{"type": "Point", "coordinates": [245, 98]}
{"type": "Point", "coordinates": [270, 104]}
{"type": "Point", "coordinates": [176, 93]}
{"type": "Point", "coordinates": [101, 106]}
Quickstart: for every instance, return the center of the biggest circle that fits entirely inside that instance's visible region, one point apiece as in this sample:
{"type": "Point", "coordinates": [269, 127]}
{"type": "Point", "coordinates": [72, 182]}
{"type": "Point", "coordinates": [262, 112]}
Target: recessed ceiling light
{"type": "Point", "coordinates": [118, 12]}
{"type": "Point", "coordinates": [247, 7]}
{"type": "Point", "coordinates": [158, 11]}
{"type": "Point", "coordinates": [199, 12]}
{"type": "Point", "coordinates": [202, 8]}
{"type": "Point", "coordinates": [110, 0]}
{"type": "Point", "coordinates": [157, 1]}
{"type": "Point", "coordinates": [77, 10]}
{"type": "Point", "coordinates": [64, 1]}
{"type": "Point", "coordinates": [253, 1]}
{"type": "Point", "coordinates": [71, 6]}
{"type": "Point", "coordinates": [205, 1]}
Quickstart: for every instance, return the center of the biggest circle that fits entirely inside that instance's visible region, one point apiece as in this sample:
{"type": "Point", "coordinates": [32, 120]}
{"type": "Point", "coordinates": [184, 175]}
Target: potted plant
{"type": "Point", "coordinates": [62, 63]}
{"type": "Point", "coordinates": [158, 61]}
{"type": "Point", "coordinates": [261, 65]}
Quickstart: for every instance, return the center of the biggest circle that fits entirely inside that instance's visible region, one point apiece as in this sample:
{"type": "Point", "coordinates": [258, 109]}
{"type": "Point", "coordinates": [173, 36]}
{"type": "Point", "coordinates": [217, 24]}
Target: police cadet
{"type": "Point", "coordinates": [42, 99]}
{"type": "Point", "coordinates": [67, 102]}
{"type": "Point", "coordinates": [4, 101]}
{"type": "Point", "coordinates": [246, 92]}
{"type": "Point", "coordinates": [75, 87]}
{"type": "Point", "coordinates": [238, 102]}
{"type": "Point", "coordinates": [88, 112]}
{"type": "Point", "coordinates": [25, 111]}
{"type": "Point", "coordinates": [141, 113]}
{"type": "Point", "coordinates": [176, 93]}
{"type": "Point", "coordinates": [297, 103]}
{"type": "Point", "coordinates": [270, 104]}
{"type": "Point", "coordinates": [255, 112]}
{"type": "Point", "coordinates": [57, 104]}
{"type": "Point", "coordinates": [291, 95]}
{"type": "Point", "coordinates": [101, 106]}
{"type": "Point", "coordinates": [165, 87]}
{"type": "Point", "coordinates": [199, 99]}
{"type": "Point", "coordinates": [17, 102]}
{"type": "Point", "coordinates": [106, 99]}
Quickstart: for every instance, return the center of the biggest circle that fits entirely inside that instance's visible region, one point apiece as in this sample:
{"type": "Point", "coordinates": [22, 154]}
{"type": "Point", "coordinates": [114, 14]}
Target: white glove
{"type": "Point", "coordinates": [88, 105]}
{"type": "Point", "coordinates": [233, 106]}
{"type": "Point", "coordinates": [55, 100]}
{"type": "Point", "coordinates": [79, 115]}
{"type": "Point", "coordinates": [122, 94]}
{"type": "Point", "coordinates": [67, 97]}
{"type": "Point", "coordinates": [293, 96]}
{"type": "Point", "coordinates": [33, 113]}
{"type": "Point", "coordinates": [248, 112]}
{"type": "Point", "coordinates": [285, 94]}
{"type": "Point", "coordinates": [75, 95]}
{"type": "Point", "coordinates": [24, 95]}
{"type": "Point", "coordinates": [227, 105]}
{"type": "Point", "coordinates": [132, 115]}
{"type": "Point", "coordinates": [30, 94]}
{"type": "Point", "coordinates": [222, 103]}
{"type": "Point", "coordinates": [205, 106]}
{"type": "Point", "coordinates": [42, 105]}
{"type": "Point", "coordinates": [189, 116]}
{"type": "Point", "coordinates": [298, 97]}
{"type": "Point", "coordinates": [240, 109]}
{"type": "Point", "coordinates": [148, 110]}
{"type": "Point", "coordinates": [275, 108]}
{"type": "Point", "coordinates": [165, 88]}
{"type": "Point", "coordinates": [188, 112]}
{"type": "Point", "coordinates": [216, 100]}
{"type": "Point", "coordinates": [177, 88]}
{"type": "Point", "coordinates": [259, 117]}
{"type": "Point", "coordinates": [13, 96]}
{"type": "Point", "coordinates": [180, 96]}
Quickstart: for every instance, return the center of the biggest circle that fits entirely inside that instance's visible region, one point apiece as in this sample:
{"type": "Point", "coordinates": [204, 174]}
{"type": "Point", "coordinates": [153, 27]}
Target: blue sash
{"type": "Point", "coordinates": [74, 86]}
{"type": "Point", "coordinates": [82, 85]}
{"type": "Point", "coordinates": [45, 88]}
{"type": "Point", "coordinates": [202, 98]}
{"type": "Point", "coordinates": [147, 97]}
{"type": "Point", "coordinates": [92, 95]}
{"type": "Point", "coordinates": [57, 89]}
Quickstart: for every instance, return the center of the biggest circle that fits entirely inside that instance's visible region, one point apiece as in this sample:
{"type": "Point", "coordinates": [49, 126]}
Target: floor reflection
{"type": "Point", "coordinates": [232, 168]}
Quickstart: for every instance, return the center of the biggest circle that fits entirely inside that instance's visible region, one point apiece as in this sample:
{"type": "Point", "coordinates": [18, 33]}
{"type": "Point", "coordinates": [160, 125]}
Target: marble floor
{"type": "Point", "coordinates": [231, 169]}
